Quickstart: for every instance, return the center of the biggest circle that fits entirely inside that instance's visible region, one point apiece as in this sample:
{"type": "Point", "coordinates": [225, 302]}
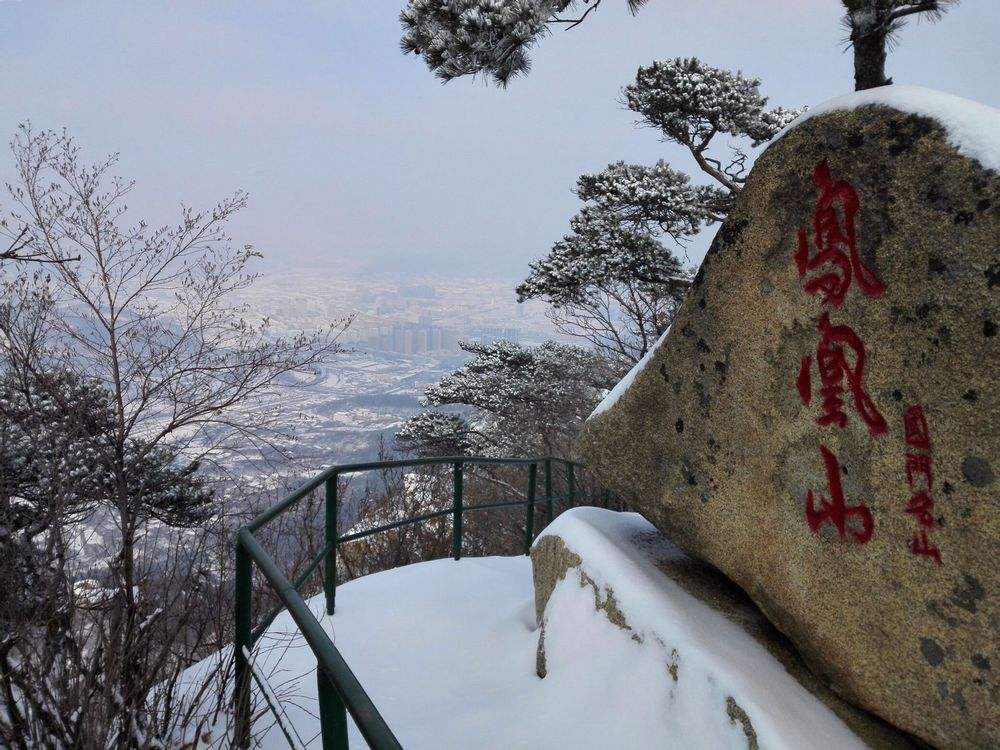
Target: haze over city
{"type": "Point", "coordinates": [368, 177]}
{"type": "Point", "coordinates": [360, 162]}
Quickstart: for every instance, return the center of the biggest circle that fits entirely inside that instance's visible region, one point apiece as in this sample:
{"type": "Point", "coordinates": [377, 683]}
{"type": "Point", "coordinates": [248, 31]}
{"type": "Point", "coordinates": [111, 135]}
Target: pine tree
{"type": "Point", "coordinates": [53, 437]}
{"type": "Point", "coordinates": [611, 281]}
{"type": "Point", "coordinates": [57, 467]}
{"type": "Point", "coordinates": [873, 24]}
{"type": "Point", "coordinates": [512, 400]}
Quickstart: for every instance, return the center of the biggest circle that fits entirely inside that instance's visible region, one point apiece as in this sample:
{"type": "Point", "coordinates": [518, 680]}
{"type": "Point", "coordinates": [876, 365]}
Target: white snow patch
{"type": "Point", "coordinates": [973, 128]}
{"type": "Point", "coordinates": [625, 383]}
{"type": "Point", "coordinates": [715, 658]}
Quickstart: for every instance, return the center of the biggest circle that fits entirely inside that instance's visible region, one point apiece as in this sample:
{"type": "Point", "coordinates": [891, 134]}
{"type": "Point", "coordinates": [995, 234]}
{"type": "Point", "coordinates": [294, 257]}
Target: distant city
{"type": "Point", "coordinates": [425, 336]}
{"type": "Point", "coordinates": [398, 317]}
{"type": "Point", "coordinates": [404, 337]}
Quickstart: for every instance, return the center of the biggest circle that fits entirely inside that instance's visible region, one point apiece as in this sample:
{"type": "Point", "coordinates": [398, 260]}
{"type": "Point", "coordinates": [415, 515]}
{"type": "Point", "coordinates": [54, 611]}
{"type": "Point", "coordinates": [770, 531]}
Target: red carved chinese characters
{"type": "Point", "coordinates": [835, 372]}
{"type": "Point", "coordinates": [915, 428]}
{"type": "Point", "coordinates": [803, 383]}
{"type": "Point", "coordinates": [920, 478]}
{"type": "Point", "coordinates": [840, 352]}
{"type": "Point", "coordinates": [829, 264]}
{"type": "Point", "coordinates": [834, 509]}
{"type": "Point", "coordinates": [917, 464]}
{"type": "Point", "coordinates": [836, 243]}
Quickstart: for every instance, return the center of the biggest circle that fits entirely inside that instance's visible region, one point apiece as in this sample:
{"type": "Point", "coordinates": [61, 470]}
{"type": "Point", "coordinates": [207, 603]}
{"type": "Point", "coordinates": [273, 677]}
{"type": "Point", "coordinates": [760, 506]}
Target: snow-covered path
{"type": "Point", "coordinates": [447, 652]}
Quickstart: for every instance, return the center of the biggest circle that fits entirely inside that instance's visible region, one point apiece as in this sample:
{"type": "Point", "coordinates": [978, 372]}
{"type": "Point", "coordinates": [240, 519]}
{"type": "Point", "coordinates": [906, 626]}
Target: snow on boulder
{"type": "Point", "coordinates": [611, 398]}
{"type": "Point", "coordinates": [695, 657]}
{"type": "Point", "coordinates": [971, 127]}
{"type": "Point", "coordinates": [820, 424]}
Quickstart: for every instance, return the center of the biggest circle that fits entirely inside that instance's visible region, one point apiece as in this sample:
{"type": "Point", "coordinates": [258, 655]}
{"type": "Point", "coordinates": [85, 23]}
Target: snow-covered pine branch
{"type": "Point", "coordinates": [691, 103]}
{"type": "Point", "coordinates": [470, 37]}
{"type": "Point", "coordinates": [53, 445]}
{"type": "Point", "coordinates": [600, 251]}
{"type": "Point", "coordinates": [505, 376]}
{"type": "Point", "coordinates": [57, 468]}
{"type": "Point", "coordinates": [657, 198]}
{"type": "Point", "coordinates": [440, 433]}
{"type": "Point", "coordinates": [491, 38]}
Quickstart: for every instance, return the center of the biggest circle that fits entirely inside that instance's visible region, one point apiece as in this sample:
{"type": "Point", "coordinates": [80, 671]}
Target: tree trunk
{"type": "Point", "coordinates": [124, 635]}
{"type": "Point", "coordinates": [869, 60]}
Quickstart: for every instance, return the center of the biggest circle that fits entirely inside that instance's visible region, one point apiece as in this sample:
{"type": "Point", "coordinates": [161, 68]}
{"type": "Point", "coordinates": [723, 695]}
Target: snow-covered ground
{"type": "Point", "coordinates": [690, 671]}
{"type": "Point", "coordinates": [447, 651]}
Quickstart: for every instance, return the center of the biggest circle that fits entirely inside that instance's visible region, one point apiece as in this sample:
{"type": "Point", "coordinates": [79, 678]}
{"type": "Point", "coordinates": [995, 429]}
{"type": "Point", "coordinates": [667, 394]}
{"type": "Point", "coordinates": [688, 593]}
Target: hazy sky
{"type": "Point", "coordinates": [357, 157]}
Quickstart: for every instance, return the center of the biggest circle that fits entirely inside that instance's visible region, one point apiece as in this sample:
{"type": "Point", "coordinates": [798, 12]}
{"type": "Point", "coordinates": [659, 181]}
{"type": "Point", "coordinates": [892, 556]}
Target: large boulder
{"type": "Point", "coordinates": [822, 421]}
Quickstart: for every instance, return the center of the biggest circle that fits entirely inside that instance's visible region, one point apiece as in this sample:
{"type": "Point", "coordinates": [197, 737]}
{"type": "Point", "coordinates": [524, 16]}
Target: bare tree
{"type": "Point", "coordinates": [17, 250]}
{"type": "Point", "coordinates": [145, 314]}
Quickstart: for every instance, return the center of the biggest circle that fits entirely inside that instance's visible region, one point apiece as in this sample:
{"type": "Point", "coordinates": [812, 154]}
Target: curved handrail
{"type": "Point", "coordinates": [328, 657]}
{"type": "Point", "coordinates": [339, 690]}
{"type": "Point", "coordinates": [313, 484]}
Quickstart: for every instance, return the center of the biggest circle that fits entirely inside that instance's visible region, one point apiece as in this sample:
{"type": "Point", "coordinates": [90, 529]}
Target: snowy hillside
{"type": "Point", "coordinates": [447, 651]}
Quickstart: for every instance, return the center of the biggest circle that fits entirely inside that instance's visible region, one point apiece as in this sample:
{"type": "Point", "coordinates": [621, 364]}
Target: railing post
{"type": "Point", "coordinates": [242, 644]}
{"type": "Point", "coordinates": [456, 521]}
{"type": "Point", "coordinates": [571, 483]}
{"type": "Point", "coordinates": [332, 713]}
{"type": "Point", "coordinates": [548, 491]}
{"type": "Point", "coordinates": [529, 522]}
{"type": "Point", "coordinates": [330, 564]}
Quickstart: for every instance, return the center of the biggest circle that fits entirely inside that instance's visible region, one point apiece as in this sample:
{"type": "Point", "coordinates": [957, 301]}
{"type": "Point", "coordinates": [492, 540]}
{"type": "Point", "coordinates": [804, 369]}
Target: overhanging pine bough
{"type": "Point", "coordinates": [486, 37]}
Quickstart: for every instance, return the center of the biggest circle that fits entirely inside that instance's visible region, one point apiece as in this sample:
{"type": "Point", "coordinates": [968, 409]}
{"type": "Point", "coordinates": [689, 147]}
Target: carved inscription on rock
{"type": "Point", "coordinates": [829, 266]}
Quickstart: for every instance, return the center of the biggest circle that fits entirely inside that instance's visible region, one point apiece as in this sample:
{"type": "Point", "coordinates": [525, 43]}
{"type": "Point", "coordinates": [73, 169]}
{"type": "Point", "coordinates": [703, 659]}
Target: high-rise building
{"type": "Point", "coordinates": [398, 338]}
{"type": "Point", "coordinates": [419, 340]}
{"type": "Point", "coordinates": [435, 340]}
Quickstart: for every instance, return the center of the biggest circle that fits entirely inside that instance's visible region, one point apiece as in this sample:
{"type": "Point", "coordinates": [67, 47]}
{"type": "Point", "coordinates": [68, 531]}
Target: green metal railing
{"type": "Point", "coordinates": [339, 690]}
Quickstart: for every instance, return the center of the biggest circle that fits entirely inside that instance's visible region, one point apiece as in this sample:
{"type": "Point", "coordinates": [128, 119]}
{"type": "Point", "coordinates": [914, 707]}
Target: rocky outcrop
{"type": "Point", "coordinates": [821, 422]}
